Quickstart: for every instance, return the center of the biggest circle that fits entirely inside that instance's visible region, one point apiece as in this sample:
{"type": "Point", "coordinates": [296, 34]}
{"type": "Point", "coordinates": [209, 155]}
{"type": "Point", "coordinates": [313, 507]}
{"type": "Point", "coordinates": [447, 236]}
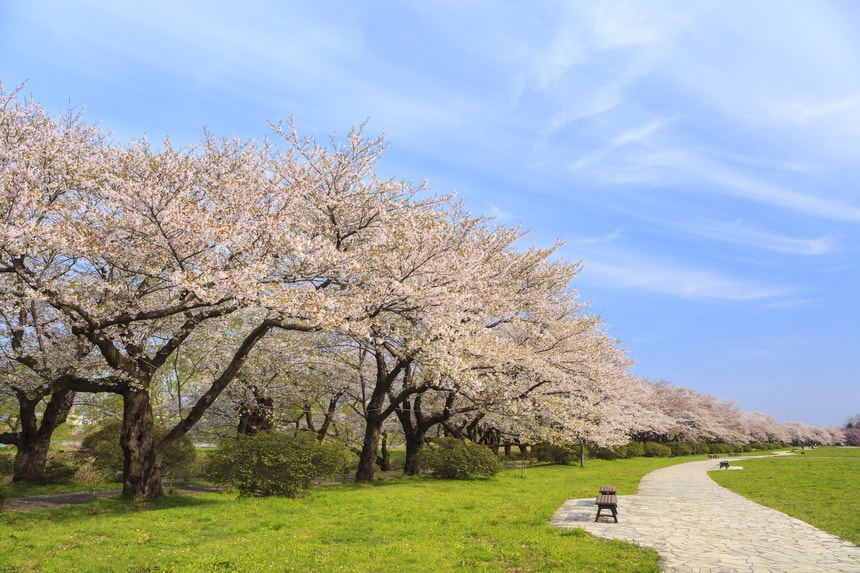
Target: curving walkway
{"type": "Point", "coordinates": [697, 526]}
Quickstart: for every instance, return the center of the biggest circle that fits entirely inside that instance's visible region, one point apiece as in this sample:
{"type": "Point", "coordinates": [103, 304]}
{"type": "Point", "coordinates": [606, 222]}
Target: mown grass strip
{"type": "Point", "coordinates": [499, 524]}
{"type": "Point", "coordinates": [820, 487]}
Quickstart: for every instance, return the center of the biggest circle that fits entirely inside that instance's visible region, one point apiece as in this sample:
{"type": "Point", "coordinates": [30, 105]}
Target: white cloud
{"type": "Point", "coordinates": [500, 214]}
{"type": "Point", "coordinates": [687, 170]}
{"type": "Point", "coordinates": [791, 304]}
{"type": "Point", "coordinates": [632, 136]}
{"type": "Point", "coordinates": [614, 235]}
{"type": "Point", "coordinates": [738, 184]}
{"type": "Point", "coordinates": [657, 276]}
{"type": "Point", "coordinates": [739, 232]}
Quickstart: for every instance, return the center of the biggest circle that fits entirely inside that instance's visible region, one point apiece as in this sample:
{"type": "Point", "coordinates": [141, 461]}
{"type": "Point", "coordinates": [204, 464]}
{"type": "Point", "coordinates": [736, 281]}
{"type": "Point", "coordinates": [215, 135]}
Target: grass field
{"type": "Point", "coordinates": [397, 525]}
{"type": "Point", "coordinates": [820, 487]}
{"type": "Point", "coordinates": [404, 524]}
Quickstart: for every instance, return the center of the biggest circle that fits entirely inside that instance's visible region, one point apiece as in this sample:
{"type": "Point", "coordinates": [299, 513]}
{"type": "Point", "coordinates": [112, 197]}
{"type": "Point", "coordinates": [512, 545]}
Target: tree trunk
{"type": "Point", "coordinates": [384, 461]}
{"type": "Point", "coordinates": [329, 416]}
{"type": "Point", "coordinates": [369, 451]}
{"type": "Point", "coordinates": [256, 415]}
{"type": "Point", "coordinates": [141, 466]}
{"type": "Point", "coordinates": [414, 443]}
{"type": "Point", "coordinates": [34, 439]}
{"type": "Point", "coordinates": [374, 416]}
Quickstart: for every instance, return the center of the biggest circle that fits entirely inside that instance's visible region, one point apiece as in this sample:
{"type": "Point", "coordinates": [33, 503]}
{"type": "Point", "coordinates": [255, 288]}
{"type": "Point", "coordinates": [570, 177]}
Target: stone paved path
{"type": "Point", "coordinates": [698, 526]}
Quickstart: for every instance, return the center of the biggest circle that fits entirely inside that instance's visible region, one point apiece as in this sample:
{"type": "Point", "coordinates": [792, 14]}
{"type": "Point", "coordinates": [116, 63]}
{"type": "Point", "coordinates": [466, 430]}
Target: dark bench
{"type": "Point", "coordinates": [724, 465]}
{"type": "Point", "coordinates": [607, 501]}
{"type": "Point", "coordinates": [608, 489]}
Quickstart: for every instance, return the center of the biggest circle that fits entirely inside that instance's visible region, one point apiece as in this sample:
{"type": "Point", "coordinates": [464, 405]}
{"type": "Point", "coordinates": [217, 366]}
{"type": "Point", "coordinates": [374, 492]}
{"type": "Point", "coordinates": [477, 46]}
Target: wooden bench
{"type": "Point", "coordinates": [520, 468]}
{"type": "Point", "coordinates": [607, 501]}
{"type": "Point", "coordinates": [724, 465]}
{"type": "Point", "coordinates": [608, 489]}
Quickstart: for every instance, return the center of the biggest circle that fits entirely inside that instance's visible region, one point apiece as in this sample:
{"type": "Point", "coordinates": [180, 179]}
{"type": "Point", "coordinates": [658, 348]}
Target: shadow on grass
{"type": "Point", "coordinates": [112, 506]}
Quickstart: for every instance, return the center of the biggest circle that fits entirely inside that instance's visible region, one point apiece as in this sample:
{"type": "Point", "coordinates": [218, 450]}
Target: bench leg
{"type": "Point", "coordinates": [611, 508]}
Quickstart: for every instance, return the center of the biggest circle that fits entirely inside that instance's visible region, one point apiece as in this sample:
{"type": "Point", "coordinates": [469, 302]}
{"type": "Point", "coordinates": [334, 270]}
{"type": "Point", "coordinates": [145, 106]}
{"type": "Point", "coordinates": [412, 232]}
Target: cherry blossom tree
{"type": "Point", "coordinates": [136, 249]}
{"type": "Point", "coordinates": [40, 158]}
{"type": "Point", "coordinates": [36, 361]}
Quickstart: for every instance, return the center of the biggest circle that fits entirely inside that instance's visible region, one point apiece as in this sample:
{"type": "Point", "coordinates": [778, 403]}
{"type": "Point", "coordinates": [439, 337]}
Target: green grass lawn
{"type": "Point", "coordinates": [398, 525]}
{"type": "Point", "coordinates": [820, 487]}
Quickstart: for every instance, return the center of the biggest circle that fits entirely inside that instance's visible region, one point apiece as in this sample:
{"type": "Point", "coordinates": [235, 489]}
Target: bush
{"type": "Point", "coordinates": [57, 471]}
{"type": "Point", "coordinates": [635, 450]}
{"type": "Point", "coordinates": [451, 458]}
{"type": "Point", "coordinates": [722, 449]}
{"type": "Point", "coordinates": [275, 463]}
{"type": "Point", "coordinates": [603, 453]}
{"type": "Point", "coordinates": [655, 450]}
{"type": "Point", "coordinates": [554, 453]}
{"type": "Point", "coordinates": [681, 448]}
{"type": "Point", "coordinates": [7, 463]}
{"type": "Point", "coordinates": [103, 449]}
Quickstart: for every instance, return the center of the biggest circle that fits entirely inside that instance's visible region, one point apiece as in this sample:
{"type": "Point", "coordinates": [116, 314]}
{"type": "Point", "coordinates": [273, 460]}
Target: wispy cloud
{"type": "Point", "coordinates": [791, 303]}
{"type": "Point", "coordinates": [632, 136]}
{"type": "Point", "coordinates": [739, 232]}
{"type": "Point", "coordinates": [688, 170]}
{"type": "Point", "coordinates": [654, 275]}
{"type": "Point", "coordinates": [614, 235]}
{"type": "Point", "coordinates": [813, 110]}
{"type": "Point", "coordinates": [732, 182]}
{"type": "Point", "coordinates": [500, 214]}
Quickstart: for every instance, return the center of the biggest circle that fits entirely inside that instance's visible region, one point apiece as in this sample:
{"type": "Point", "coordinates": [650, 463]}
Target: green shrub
{"type": "Point", "coordinates": [7, 463]}
{"type": "Point", "coordinates": [57, 471]}
{"type": "Point", "coordinates": [275, 463]}
{"type": "Point", "coordinates": [102, 448]}
{"type": "Point", "coordinates": [655, 450]}
{"type": "Point", "coordinates": [635, 450]}
{"type": "Point", "coordinates": [762, 446]}
{"type": "Point", "coordinates": [451, 458]}
{"type": "Point", "coordinates": [604, 453]}
{"type": "Point", "coordinates": [554, 453]}
{"type": "Point", "coordinates": [722, 449]}
{"type": "Point", "coordinates": [681, 448]}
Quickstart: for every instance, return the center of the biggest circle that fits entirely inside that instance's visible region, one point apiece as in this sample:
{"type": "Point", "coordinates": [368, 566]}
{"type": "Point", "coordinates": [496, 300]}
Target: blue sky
{"type": "Point", "coordinates": [700, 158]}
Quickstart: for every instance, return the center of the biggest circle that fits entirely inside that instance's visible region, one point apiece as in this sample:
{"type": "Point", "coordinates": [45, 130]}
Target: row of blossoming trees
{"type": "Point", "coordinates": [239, 270]}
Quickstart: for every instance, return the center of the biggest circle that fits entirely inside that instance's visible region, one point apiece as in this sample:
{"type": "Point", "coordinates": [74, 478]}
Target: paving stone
{"type": "Point", "coordinates": [696, 525]}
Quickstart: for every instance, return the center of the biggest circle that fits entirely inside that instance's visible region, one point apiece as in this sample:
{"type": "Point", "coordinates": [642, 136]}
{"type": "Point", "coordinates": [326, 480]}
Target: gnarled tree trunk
{"type": "Point", "coordinates": [141, 464]}
{"type": "Point", "coordinates": [33, 440]}
{"type": "Point", "coordinates": [369, 450]}
{"type": "Point", "coordinates": [384, 459]}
